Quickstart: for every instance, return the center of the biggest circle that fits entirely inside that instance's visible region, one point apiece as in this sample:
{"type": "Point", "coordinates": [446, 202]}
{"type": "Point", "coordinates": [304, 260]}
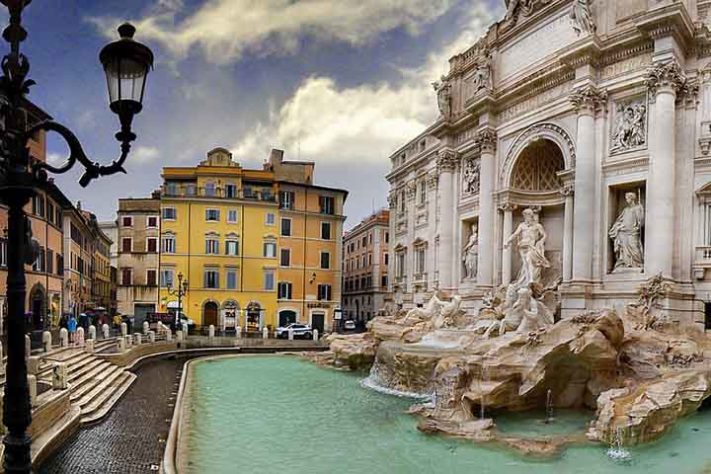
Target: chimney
{"type": "Point", "coordinates": [276, 156]}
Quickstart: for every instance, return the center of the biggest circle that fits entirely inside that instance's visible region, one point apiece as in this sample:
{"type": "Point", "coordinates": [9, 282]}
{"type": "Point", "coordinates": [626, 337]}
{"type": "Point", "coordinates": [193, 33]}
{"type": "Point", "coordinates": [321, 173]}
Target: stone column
{"type": "Point", "coordinates": [487, 143]}
{"type": "Point", "coordinates": [432, 273]}
{"type": "Point", "coordinates": [568, 226]}
{"type": "Point", "coordinates": [663, 80]}
{"type": "Point", "coordinates": [506, 253]}
{"type": "Point", "coordinates": [585, 99]}
{"type": "Point", "coordinates": [446, 162]}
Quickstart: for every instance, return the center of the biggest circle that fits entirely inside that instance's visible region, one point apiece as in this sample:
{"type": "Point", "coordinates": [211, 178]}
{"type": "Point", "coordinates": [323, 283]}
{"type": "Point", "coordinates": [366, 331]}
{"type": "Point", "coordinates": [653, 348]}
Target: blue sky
{"type": "Point", "coordinates": [340, 82]}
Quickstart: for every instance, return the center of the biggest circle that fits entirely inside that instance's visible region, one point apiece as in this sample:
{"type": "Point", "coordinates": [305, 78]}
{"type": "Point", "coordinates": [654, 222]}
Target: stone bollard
{"type": "Point", "coordinates": [211, 332]}
{"type": "Point", "coordinates": [79, 338]}
{"type": "Point", "coordinates": [89, 345]}
{"type": "Point", "coordinates": [32, 385]}
{"type": "Point", "coordinates": [121, 344]}
{"type": "Point", "coordinates": [179, 335]}
{"type": "Point", "coordinates": [238, 332]}
{"type": "Point", "coordinates": [291, 334]}
{"type": "Point", "coordinates": [265, 333]}
{"type": "Point", "coordinates": [63, 337]}
{"type": "Point", "coordinates": [315, 334]}
{"type": "Point", "coordinates": [2, 363]}
{"type": "Point", "coordinates": [92, 331]}
{"type": "Point", "coordinates": [151, 336]}
{"type": "Point", "coordinates": [124, 329]}
{"type": "Point", "coordinates": [28, 347]}
{"type": "Point", "coordinates": [186, 330]}
{"type": "Point", "coordinates": [129, 340]}
{"type": "Point", "coordinates": [146, 327]}
{"type": "Point", "coordinates": [105, 330]}
{"type": "Point", "coordinates": [137, 338]}
{"type": "Point", "coordinates": [47, 341]}
{"type": "Point", "coordinates": [59, 376]}
{"type": "Point", "coordinates": [33, 365]}
{"type": "Point", "coordinates": [168, 335]}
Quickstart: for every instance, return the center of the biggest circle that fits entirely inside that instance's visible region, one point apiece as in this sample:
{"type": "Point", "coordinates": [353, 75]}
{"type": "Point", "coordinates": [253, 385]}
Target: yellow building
{"type": "Point", "coordinates": [222, 229]}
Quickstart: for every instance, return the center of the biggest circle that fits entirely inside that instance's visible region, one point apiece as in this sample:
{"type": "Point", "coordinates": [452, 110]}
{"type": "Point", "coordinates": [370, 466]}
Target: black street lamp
{"type": "Point", "coordinates": [180, 291]}
{"type": "Point", "coordinates": [126, 64]}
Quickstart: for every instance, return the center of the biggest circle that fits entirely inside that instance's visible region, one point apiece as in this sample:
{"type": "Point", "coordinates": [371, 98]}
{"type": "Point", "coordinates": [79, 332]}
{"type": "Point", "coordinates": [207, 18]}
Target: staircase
{"type": "Point", "coordinates": [95, 385]}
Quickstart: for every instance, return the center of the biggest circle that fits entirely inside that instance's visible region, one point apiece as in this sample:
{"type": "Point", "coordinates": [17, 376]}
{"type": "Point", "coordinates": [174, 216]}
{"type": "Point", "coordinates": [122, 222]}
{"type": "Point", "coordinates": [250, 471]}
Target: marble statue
{"type": "Point", "coordinates": [448, 313]}
{"type": "Point", "coordinates": [582, 17]}
{"type": "Point", "coordinates": [482, 74]}
{"type": "Point", "coordinates": [531, 238]}
{"type": "Point", "coordinates": [444, 96]}
{"type": "Point", "coordinates": [470, 254]}
{"type": "Point", "coordinates": [626, 234]}
{"type": "Point", "coordinates": [429, 312]}
{"type": "Point", "coordinates": [524, 315]}
{"type": "Point", "coordinates": [471, 176]}
{"type": "Point", "coordinates": [630, 129]}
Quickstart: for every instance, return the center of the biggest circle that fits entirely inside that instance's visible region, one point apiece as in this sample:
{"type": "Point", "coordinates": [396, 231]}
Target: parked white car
{"type": "Point", "coordinates": [349, 325]}
{"type": "Point", "coordinates": [300, 330]}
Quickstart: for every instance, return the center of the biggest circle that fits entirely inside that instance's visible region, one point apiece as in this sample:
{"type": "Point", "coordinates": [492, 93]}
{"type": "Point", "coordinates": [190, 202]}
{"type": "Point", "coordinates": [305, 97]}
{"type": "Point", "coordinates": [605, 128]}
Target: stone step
{"type": "Point", "coordinates": [84, 369]}
{"type": "Point", "coordinates": [73, 363]}
{"type": "Point", "coordinates": [97, 386]}
{"type": "Point", "coordinates": [91, 381]}
{"type": "Point", "coordinates": [103, 404]}
{"type": "Point", "coordinates": [87, 378]}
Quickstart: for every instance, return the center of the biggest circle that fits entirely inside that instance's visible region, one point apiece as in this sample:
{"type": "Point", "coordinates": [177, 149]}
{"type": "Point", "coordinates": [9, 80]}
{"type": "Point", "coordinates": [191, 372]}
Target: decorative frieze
{"type": "Point", "coordinates": [588, 99]}
{"type": "Point", "coordinates": [471, 168]}
{"type": "Point", "coordinates": [629, 130]}
{"type": "Point", "coordinates": [664, 75]}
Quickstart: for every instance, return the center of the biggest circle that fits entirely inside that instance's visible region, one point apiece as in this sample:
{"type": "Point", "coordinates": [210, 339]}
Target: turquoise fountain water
{"type": "Point", "coordinates": [282, 415]}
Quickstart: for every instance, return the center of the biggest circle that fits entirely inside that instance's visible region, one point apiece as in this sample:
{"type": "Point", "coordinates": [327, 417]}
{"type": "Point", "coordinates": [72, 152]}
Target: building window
{"type": "Point", "coordinates": [212, 215]}
{"type": "Point", "coordinates": [285, 227]}
{"type": "Point", "coordinates": [284, 290]}
{"type": "Point", "coordinates": [269, 280]}
{"type": "Point", "coordinates": [326, 204]}
{"type": "Point", "coordinates": [152, 244]}
{"type": "Point", "coordinates": [423, 192]}
{"type": "Point", "coordinates": [169, 213]}
{"type": "Point", "coordinates": [150, 278]}
{"type": "Point", "coordinates": [190, 189]}
{"type": "Point", "coordinates": [232, 247]}
{"type": "Point", "coordinates": [166, 277]}
{"type": "Point", "coordinates": [126, 244]}
{"type": "Point", "coordinates": [420, 260]}
{"type": "Point", "coordinates": [49, 261]}
{"type": "Point", "coordinates": [232, 216]}
{"type": "Point", "coordinates": [285, 259]}
{"type": "Point", "coordinates": [152, 221]}
{"type": "Point", "coordinates": [400, 265]}
{"type": "Point", "coordinates": [171, 189]}
{"type": "Point", "coordinates": [286, 199]}
{"type": "Point", "coordinates": [3, 253]}
{"type": "Point", "coordinates": [127, 221]}
{"type": "Point", "coordinates": [212, 279]}
{"type": "Point", "coordinates": [210, 189]}
{"type": "Point", "coordinates": [270, 249]}
{"type": "Point", "coordinates": [386, 257]}
{"type": "Point", "coordinates": [212, 245]}
{"type": "Point", "coordinates": [230, 191]}
{"type": "Point", "coordinates": [38, 205]}
{"type": "Point", "coordinates": [126, 277]}
{"type": "Point", "coordinates": [60, 265]}
{"type": "Point", "coordinates": [168, 243]}
{"type": "Point", "coordinates": [384, 281]}
{"type": "Point", "coordinates": [325, 260]}
{"type": "Point", "coordinates": [370, 259]}
{"type": "Point", "coordinates": [270, 218]}
{"type": "Point", "coordinates": [326, 230]}
{"type": "Point", "coordinates": [324, 292]}
{"type": "Point", "coordinates": [231, 279]}
{"type": "Point", "coordinates": [387, 237]}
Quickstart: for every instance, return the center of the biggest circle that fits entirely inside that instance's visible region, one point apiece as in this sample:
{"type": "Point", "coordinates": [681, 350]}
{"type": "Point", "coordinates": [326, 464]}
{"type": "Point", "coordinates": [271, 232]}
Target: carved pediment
{"type": "Point", "coordinates": [704, 190]}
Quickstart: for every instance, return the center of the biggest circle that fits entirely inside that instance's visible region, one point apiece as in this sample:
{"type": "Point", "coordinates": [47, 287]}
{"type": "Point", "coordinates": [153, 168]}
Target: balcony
{"type": "Point", "coordinates": [246, 193]}
{"type": "Point", "coordinates": [702, 261]}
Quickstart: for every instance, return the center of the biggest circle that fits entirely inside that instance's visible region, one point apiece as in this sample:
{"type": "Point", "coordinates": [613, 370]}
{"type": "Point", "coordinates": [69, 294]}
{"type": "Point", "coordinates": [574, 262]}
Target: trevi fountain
{"type": "Point", "coordinates": [550, 248]}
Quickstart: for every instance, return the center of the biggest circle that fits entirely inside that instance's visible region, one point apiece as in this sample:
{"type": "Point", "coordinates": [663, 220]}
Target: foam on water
{"type": "Point", "coordinates": [371, 382]}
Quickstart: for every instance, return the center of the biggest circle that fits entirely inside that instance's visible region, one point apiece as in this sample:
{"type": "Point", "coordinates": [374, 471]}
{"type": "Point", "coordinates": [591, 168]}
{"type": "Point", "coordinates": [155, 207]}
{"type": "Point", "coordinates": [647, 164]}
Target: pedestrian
{"type": "Point", "coordinates": [72, 327]}
{"type": "Point", "coordinates": [84, 321]}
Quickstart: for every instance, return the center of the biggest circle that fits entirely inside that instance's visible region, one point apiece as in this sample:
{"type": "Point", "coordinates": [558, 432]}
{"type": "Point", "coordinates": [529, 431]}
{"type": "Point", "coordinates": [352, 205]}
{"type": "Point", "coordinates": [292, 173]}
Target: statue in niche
{"type": "Point", "coordinates": [630, 130]}
{"type": "Point", "coordinates": [582, 17]}
{"type": "Point", "coordinates": [482, 74]}
{"type": "Point", "coordinates": [444, 96]}
{"type": "Point", "coordinates": [531, 238]}
{"type": "Point", "coordinates": [470, 253]}
{"type": "Point", "coordinates": [626, 233]}
{"type": "Point", "coordinates": [470, 175]}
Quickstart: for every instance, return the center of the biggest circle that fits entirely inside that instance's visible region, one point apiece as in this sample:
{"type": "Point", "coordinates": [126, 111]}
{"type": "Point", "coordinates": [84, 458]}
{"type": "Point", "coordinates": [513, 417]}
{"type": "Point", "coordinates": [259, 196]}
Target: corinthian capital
{"type": "Point", "coordinates": [665, 74]}
{"type": "Point", "coordinates": [486, 139]}
{"type": "Point", "coordinates": [446, 160]}
{"type": "Point", "coordinates": [588, 98]}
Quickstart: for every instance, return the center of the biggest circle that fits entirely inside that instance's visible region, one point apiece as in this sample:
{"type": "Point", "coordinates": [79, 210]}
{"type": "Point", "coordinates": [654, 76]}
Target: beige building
{"type": "Point", "coordinates": [365, 267]}
{"type": "Point", "coordinates": [100, 265]}
{"type": "Point", "coordinates": [138, 233]}
{"type": "Point", "coordinates": [78, 257]}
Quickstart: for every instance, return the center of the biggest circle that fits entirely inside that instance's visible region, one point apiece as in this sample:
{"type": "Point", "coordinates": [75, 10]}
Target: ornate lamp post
{"type": "Point", "coordinates": [180, 291]}
{"type": "Point", "coordinates": [126, 64]}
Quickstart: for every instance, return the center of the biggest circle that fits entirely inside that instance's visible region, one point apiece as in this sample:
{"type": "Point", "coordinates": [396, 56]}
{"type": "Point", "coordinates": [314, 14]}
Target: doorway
{"type": "Point", "coordinates": [318, 321]}
{"type": "Point", "coordinates": [286, 317]}
{"type": "Point", "coordinates": [209, 314]}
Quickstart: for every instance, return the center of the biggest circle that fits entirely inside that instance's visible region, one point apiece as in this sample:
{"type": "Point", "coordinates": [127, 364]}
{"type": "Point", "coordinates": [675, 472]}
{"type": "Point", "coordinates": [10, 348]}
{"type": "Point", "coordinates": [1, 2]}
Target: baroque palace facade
{"type": "Point", "coordinates": [595, 116]}
{"type": "Point", "coordinates": [259, 247]}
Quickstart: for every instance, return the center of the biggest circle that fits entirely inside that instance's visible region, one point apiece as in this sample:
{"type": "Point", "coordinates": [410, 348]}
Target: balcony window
{"type": "Point", "coordinates": [169, 213]}
{"type": "Point", "coordinates": [212, 246]}
{"type": "Point", "coordinates": [270, 249]}
{"type": "Point", "coordinates": [286, 199]}
{"type": "Point", "coordinates": [210, 189]}
{"type": "Point", "coordinates": [232, 247]}
{"type": "Point", "coordinates": [212, 215]}
{"type": "Point", "coordinates": [230, 191]}
{"type": "Point", "coordinates": [171, 189]}
{"type": "Point", "coordinates": [168, 243]}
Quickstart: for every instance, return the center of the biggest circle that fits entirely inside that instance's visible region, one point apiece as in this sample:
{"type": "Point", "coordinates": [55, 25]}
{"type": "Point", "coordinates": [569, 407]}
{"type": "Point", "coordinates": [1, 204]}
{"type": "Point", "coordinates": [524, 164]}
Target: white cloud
{"type": "Point", "coordinates": [144, 154]}
{"type": "Point", "coordinates": [330, 124]}
{"type": "Point", "coordinates": [55, 159]}
{"type": "Point", "coordinates": [226, 29]}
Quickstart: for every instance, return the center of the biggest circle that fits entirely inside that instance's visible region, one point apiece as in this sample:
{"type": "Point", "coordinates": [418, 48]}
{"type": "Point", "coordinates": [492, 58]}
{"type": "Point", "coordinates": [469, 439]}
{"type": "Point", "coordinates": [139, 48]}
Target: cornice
{"type": "Point", "coordinates": [668, 20]}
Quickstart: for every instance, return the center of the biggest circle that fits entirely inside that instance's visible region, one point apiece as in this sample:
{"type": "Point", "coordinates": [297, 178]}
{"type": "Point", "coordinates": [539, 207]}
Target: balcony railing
{"type": "Point", "coordinates": [263, 194]}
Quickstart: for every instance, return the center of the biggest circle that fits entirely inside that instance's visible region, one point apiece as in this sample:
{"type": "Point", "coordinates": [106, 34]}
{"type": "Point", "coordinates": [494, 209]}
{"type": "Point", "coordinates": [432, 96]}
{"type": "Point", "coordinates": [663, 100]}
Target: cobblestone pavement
{"type": "Point", "coordinates": [132, 438]}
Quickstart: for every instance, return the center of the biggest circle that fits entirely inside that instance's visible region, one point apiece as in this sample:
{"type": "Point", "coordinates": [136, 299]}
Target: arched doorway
{"type": "Point", "coordinates": [254, 316]}
{"type": "Point", "coordinates": [38, 307]}
{"type": "Point", "coordinates": [286, 317]}
{"type": "Point", "coordinates": [230, 315]}
{"type": "Point", "coordinates": [209, 313]}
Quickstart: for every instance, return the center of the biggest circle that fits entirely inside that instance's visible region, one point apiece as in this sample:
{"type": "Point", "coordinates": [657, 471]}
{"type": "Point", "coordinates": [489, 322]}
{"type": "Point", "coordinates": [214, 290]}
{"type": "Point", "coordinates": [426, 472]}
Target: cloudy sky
{"type": "Point", "coordinates": [340, 82]}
